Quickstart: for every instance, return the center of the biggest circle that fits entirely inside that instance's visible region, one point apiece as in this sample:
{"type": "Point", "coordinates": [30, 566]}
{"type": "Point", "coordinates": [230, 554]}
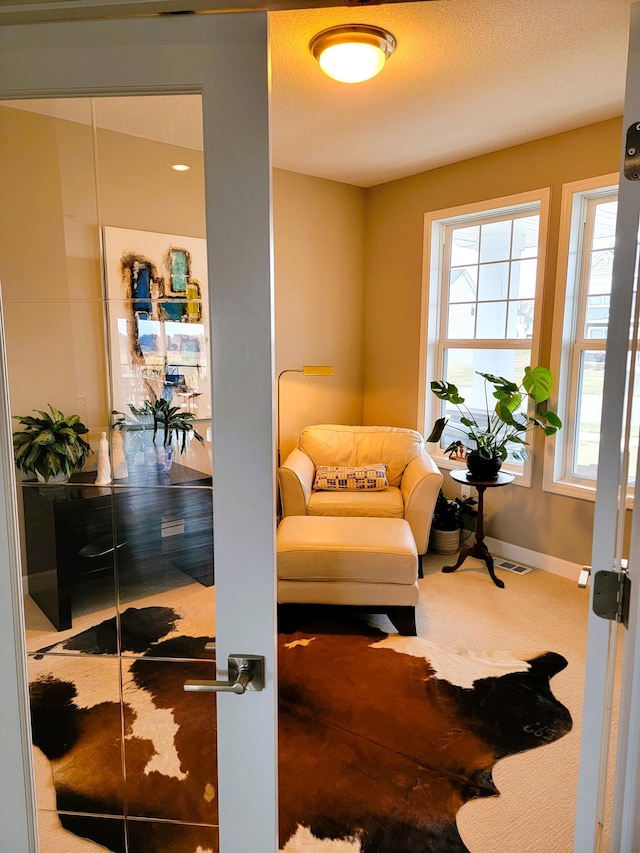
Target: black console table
{"type": "Point", "coordinates": [78, 528]}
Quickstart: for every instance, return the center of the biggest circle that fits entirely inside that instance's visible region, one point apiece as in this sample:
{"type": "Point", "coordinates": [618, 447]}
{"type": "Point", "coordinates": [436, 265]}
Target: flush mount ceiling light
{"type": "Point", "coordinates": [180, 167]}
{"type": "Point", "coordinates": [353, 52]}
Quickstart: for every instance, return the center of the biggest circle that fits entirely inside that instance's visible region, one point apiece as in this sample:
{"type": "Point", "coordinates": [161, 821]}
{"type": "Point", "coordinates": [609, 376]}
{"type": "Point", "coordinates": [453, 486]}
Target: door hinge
{"type": "Point", "coordinates": [632, 152]}
{"type": "Point", "coordinates": [611, 595]}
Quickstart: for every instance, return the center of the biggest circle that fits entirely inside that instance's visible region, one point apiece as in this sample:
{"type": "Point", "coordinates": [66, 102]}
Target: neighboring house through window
{"type": "Point", "coordinates": [484, 265]}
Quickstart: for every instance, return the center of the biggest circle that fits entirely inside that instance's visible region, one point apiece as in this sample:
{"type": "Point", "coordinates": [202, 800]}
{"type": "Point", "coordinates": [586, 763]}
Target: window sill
{"type": "Point", "coordinates": [581, 491]}
{"type": "Point", "coordinates": [569, 489]}
{"type": "Point", "coordinates": [443, 462]}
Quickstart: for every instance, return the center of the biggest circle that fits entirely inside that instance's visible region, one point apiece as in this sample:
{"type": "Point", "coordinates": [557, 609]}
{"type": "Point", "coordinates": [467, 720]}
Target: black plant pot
{"type": "Point", "coordinates": [481, 468]}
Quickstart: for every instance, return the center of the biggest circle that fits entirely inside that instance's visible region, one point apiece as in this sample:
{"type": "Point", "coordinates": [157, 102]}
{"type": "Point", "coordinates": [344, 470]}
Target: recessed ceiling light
{"type": "Point", "coordinates": [180, 167]}
{"type": "Point", "coordinates": [352, 53]}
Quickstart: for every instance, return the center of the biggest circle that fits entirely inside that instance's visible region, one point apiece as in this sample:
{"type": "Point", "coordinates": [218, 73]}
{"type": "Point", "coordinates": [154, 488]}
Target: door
{"type": "Point", "coordinates": [224, 59]}
{"type": "Point", "coordinates": [600, 826]}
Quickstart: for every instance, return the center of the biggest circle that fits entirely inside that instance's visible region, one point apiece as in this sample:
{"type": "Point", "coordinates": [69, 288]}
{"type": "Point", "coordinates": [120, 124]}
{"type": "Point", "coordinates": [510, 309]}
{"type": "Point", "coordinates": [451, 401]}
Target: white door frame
{"type": "Point", "coordinates": [224, 57]}
{"type": "Point", "coordinates": [608, 538]}
{"type": "Point", "coordinates": [625, 831]}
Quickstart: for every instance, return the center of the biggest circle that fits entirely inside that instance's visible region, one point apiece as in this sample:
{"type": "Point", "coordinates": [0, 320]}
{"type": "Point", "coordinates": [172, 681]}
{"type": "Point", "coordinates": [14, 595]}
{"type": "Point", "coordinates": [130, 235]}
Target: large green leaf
{"type": "Point", "coordinates": [20, 453]}
{"type": "Point", "coordinates": [68, 432]}
{"type": "Point", "coordinates": [553, 419]}
{"type": "Point", "coordinates": [502, 385]}
{"type": "Point", "coordinates": [447, 391]}
{"type": "Point", "coordinates": [28, 420]}
{"type": "Point", "coordinates": [56, 414]}
{"type": "Point", "coordinates": [507, 404]}
{"type": "Point", "coordinates": [34, 454]}
{"type": "Point", "coordinates": [53, 463]}
{"type": "Point", "coordinates": [538, 383]}
{"type": "Point", "coordinates": [47, 436]}
{"type": "Point", "coordinates": [438, 429]}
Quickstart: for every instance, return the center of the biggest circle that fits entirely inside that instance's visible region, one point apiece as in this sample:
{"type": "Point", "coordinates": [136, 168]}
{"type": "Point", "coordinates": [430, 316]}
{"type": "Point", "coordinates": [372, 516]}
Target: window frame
{"type": "Point", "coordinates": [567, 346]}
{"type": "Point", "coordinates": [436, 224]}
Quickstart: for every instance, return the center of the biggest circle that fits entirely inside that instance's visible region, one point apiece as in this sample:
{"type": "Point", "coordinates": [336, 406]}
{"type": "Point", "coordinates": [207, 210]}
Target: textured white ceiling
{"type": "Point", "coordinates": [467, 77]}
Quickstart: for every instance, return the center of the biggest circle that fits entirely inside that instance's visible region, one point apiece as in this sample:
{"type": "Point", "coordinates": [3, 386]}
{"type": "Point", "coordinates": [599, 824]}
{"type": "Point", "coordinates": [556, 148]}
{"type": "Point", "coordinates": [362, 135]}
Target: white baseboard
{"type": "Point", "coordinates": [535, 559]}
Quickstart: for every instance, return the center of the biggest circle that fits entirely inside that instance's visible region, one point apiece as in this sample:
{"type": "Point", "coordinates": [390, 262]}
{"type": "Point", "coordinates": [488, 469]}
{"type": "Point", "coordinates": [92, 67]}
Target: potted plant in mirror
{"type": "Point", "coordinates": [449, 516]}
{"type": "Point", "coordinates": [50, 446]}
{"type": "Point", "coordinates": [160, 418]}
{"type": "Point", "coordinates": [500, 430]}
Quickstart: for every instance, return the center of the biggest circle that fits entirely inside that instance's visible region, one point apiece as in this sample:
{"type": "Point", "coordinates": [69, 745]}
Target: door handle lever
{"type": "Point", "coordinates": [246, 672]}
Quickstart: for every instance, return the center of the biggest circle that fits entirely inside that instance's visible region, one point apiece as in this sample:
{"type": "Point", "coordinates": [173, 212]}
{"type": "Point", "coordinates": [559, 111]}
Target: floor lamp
{"type": "Point", "coordinates": [307, 370]}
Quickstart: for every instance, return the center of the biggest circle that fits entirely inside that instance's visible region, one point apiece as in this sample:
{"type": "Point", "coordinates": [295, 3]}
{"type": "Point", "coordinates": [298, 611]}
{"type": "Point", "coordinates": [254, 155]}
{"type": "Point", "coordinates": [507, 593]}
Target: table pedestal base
{"type": "Point", "coordinates": [481, 552]}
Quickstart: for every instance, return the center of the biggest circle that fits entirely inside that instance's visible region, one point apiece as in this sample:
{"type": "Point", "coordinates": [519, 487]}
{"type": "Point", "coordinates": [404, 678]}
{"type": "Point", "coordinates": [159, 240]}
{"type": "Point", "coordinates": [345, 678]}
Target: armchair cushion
{"type": "Point", "coordinates": [387, 503]}
{"type": "Point", "coordinates": [333, 478]}
{"type": "Point", "coordinates": [337, 444]}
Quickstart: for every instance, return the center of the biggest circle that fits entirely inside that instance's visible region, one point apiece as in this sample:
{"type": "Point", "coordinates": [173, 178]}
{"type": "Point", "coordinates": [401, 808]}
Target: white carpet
{"type": "Point", "coordinates": [536, 810]}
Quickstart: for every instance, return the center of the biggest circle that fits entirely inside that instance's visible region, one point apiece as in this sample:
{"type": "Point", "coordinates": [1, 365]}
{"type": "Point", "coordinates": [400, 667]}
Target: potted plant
{"type": "Point", "coordinates": [448, 520]}
{"type": "Point", "coordinates": [51, 446]}
{"type": "Point", "coordinates": [171, 420]}
{"type": "Point", "coordinates": [491, 435]}
{"type": "Point", "coordinates": [160, 417]}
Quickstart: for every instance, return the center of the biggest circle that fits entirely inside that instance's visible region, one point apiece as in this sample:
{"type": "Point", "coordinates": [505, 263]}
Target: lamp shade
{"type": "Point", "coordinates": [317, 370]}
{"type": "Point", "coordinates": [353, 52]}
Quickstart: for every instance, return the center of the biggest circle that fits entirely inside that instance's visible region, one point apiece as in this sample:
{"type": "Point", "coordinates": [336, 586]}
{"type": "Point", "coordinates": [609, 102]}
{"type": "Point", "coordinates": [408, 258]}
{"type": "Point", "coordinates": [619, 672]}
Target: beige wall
{"type": "Point", "coordinates": [50, 267]}
{"type": "Point", "coordinates": [33, 268]}
{"type": "Point", "coordinates": [348, 276]}
{"type": "Point", "coordinates": [527, 517]}
{"type": "Point", "coordinates": [319, 276]}
{"type": "Point", "coordinates": [50, 250]}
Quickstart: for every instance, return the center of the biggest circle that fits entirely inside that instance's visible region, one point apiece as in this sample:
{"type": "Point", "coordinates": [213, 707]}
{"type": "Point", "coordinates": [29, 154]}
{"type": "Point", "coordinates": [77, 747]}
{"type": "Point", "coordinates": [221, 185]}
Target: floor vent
{"type": "Point", "coordinates": [516, 568]}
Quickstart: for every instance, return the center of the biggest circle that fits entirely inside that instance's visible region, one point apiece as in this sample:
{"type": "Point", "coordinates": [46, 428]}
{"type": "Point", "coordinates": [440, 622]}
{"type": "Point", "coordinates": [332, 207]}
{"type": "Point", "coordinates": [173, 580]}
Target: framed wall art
{"type": "Point", "coordinates": [156, 289]}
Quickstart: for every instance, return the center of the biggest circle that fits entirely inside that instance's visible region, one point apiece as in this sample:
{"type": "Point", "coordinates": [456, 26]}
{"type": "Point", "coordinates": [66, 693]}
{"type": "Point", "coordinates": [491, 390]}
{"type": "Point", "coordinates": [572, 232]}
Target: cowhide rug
{"type": "Point", "coordinates": [382, 737]}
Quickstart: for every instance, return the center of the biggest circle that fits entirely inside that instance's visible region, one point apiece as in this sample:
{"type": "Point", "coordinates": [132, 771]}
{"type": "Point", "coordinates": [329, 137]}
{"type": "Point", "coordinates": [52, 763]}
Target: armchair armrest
{"type": "Point", "coordinates": [420, 485]}
{"type": "Point", "coordinates": [295, 476]}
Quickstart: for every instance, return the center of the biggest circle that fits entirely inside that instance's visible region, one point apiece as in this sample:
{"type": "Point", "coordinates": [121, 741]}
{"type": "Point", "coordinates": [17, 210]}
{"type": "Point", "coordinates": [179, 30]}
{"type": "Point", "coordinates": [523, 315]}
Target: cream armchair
{"type": "Point", "coordinates": [413, 479]}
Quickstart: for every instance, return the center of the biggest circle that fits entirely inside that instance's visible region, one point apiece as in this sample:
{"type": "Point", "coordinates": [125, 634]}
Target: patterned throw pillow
{"type": "Point", "coordinates": [333, 478]}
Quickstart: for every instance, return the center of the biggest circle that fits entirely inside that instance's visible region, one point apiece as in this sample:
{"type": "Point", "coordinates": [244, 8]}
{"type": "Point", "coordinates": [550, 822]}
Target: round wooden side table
{"type": "Point", "coordinates": [479, 549]}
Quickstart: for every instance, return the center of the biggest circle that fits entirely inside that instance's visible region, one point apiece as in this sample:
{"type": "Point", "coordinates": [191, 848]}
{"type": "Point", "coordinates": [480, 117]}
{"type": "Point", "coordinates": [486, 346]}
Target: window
{"type": "Point", "coordinates": [581, 317]}
{"type": "Point", "coordinates": [482, 304]}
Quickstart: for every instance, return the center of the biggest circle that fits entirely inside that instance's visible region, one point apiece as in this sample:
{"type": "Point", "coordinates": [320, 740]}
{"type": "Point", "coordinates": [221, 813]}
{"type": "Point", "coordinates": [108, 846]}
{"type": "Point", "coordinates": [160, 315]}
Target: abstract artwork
{"type": "Point", "coordinates": [158, 319]}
